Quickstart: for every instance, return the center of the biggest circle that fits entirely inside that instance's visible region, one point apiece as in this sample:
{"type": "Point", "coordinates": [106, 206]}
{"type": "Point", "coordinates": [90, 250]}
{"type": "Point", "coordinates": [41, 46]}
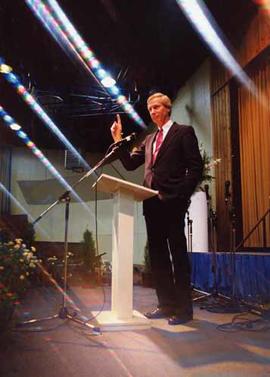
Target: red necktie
{"type": "Point", "coordinates": [159, 140]}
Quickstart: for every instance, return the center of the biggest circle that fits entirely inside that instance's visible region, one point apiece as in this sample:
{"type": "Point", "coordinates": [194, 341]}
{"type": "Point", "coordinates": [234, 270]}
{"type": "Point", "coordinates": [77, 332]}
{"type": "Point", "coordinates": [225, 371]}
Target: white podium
{"type": "Point", "coordinates": [122, 316]}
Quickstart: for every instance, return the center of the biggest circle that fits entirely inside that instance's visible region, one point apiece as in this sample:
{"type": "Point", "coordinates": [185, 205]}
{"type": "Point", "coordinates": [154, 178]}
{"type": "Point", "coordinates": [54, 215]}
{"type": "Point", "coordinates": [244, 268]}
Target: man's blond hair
{"type": "Point", "coordinates": [165, 100]}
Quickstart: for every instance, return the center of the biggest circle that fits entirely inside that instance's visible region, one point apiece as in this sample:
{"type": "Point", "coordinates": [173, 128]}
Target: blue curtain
{"type": "Point", "coordinates": [245, 276]}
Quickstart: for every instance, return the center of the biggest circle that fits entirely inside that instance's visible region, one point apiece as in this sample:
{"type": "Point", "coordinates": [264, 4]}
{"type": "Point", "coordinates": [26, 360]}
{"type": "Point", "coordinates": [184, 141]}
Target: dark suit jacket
{"type": "Point", "coordinates": [178, 166]}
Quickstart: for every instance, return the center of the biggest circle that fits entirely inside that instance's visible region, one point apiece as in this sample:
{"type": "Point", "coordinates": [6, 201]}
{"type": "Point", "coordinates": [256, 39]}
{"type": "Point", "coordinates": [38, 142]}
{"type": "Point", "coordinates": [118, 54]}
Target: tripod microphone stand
{"type": "Point", "coordinates": [235, 302]}
{"type": "Point", "coordinates": [215, 295]}
{"type": "Point", "coordinates": [220, 301]}
{"type": "Point", "coordinates": [65, 197]}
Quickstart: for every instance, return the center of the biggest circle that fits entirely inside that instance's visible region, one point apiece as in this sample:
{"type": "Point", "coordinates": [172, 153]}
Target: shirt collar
{"type": "Point", "coordinates": [166, 126]}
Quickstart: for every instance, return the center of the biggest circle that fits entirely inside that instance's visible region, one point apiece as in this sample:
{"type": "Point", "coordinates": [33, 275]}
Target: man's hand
{"type": "Point", "coordinates": [116, 129]}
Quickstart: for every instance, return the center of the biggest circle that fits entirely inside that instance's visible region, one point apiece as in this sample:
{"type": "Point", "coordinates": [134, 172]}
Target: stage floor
{"type": "Point", "coordinates": [209, 346]}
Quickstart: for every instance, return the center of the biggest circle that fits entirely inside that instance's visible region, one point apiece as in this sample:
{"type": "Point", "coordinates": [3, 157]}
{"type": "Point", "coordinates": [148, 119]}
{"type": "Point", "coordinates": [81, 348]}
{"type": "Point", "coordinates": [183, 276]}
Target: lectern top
{"type": "Point", "coordinates": [109, 184]}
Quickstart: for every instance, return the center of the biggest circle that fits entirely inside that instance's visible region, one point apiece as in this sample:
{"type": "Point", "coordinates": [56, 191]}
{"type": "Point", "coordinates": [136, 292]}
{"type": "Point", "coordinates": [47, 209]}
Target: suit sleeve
{"type": "Point", "coordinates": [193, 159]}
{"type": "Point", "coordinates": [132, 160]}
{"type": "Point", "coordinates": [178, 173]}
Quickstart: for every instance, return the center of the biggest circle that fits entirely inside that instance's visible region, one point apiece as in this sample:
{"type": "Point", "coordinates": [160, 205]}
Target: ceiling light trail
{"type": "Point", "coordinates": [202, 20]}
{"type": "Point", "coordinates": [60, 25]}
{"type": "Point", "coordinates": [10, 122]}
{"type": "Point", "coordinates": [4, 68]}
{"type": "Point", "coordinates": [20, 206]}
{"type": "Point", "coordinates": [88, 55]}
{"type": "Point", "coordinates": [30, 100]}
{"type": "Point", "coordinates": [53, 27]}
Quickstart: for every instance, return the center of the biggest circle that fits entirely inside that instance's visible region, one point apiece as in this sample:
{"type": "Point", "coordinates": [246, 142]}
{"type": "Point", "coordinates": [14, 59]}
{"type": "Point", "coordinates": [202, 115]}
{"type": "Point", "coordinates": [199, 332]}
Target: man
{"type": "Point", "coordinates": [173, 167]}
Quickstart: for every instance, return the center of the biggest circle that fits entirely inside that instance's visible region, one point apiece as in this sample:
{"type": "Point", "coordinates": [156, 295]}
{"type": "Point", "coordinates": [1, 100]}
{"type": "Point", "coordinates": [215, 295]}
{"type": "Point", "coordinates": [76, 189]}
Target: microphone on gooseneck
{"type": "Point", "coordinates": [125, 141]}
{"type": "Point", "coordinates": [227, 193]}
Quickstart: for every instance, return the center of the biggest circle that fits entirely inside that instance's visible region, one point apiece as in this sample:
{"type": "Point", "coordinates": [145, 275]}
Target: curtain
{"type": "Point", "coordinates": [221, 119]}
{"type": "Point", "coordinates": [254, 135]}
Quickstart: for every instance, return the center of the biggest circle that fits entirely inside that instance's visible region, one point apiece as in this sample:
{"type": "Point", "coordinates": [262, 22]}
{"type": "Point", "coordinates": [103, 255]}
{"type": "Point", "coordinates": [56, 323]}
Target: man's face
{"type": "Point", "coordinates": [158, 112]}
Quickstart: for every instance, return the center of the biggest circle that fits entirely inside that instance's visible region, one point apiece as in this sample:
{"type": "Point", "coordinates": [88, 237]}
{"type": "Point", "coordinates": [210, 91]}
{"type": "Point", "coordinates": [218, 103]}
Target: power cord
{"type": "Point", "coordinates": [246, 322]}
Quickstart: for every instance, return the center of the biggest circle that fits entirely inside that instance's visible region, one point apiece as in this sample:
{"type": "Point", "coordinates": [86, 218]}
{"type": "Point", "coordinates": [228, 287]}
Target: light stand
{"type": "Point", "coordinates": [65, 197]}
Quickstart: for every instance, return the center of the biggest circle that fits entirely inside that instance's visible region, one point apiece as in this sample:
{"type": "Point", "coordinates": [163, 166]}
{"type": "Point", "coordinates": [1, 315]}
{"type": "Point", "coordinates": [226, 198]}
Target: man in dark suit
{"type": "Point", "coordinates": [173, 167]}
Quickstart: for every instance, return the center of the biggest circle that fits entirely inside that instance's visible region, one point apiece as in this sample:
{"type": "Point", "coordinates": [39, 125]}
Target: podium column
{"type": "Point", "coordinates": [122, 255]}
{"type": "Point", "coordinates": [122, 316]}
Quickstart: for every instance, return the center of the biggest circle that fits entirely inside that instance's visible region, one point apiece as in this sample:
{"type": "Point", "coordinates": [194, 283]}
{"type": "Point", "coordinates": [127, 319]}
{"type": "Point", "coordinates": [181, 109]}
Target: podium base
{"type": "Point", "coordinates": [108, 321]}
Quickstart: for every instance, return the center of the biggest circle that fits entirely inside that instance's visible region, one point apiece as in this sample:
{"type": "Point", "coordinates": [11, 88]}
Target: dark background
{"type": "Point", "coordinates": [146, 45]}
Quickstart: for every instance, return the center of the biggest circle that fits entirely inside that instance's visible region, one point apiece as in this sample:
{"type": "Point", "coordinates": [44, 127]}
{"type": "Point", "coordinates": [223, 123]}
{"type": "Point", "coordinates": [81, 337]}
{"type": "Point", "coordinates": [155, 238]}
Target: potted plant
{"type": "Point", "coordinates": [91, 262]}
{"type": "Point", "coordinates": [208, 164]}
{"type": "Point", "coordinates": [88, 252]}
{"type": "Point", "coordinates": [17, 264]}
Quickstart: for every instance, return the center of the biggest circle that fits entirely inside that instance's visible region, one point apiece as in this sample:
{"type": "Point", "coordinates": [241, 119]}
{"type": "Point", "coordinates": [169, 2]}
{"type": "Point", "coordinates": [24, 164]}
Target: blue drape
{"type": "Point", "coordinates": [245, 276]}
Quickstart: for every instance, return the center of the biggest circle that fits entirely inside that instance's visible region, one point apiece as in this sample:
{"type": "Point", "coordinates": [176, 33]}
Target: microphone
{"type": "Point", "coordinates": [124, 141]}
{"type": "Point", "coordinates": [227, 190]}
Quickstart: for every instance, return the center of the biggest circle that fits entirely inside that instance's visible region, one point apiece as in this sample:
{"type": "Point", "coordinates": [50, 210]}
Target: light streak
{"type": "Point", "coordinates": [60, 289]}
{"type": "Point", "coordinates": [13, 80]}
{"type": "Point", "coordinates": [56, 22]}
{"type": "Point", "coordinates": [20, 206]}
{"type": "Point", "coordinates": [9, 121]}
{"type": "Point", "coordinates": [202, 20]}
{"type": "Point", "coordinates": [4, 68]}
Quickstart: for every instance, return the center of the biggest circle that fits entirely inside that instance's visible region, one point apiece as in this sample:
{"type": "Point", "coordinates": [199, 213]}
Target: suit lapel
{"type": "Point", "coordinates": [149, 148]}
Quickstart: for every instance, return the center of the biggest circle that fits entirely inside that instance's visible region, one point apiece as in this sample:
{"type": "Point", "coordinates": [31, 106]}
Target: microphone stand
{"type": "Point", "coordinates": [189, 224]}
{"type": "Point", "coordinates": [212, 224]}
{"type": "Point", "coordinates": [65, 198]}
{"type": "Point", "coordinates": [232, 216]}
{"type": "Point", "coordinates": [230, 304]}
